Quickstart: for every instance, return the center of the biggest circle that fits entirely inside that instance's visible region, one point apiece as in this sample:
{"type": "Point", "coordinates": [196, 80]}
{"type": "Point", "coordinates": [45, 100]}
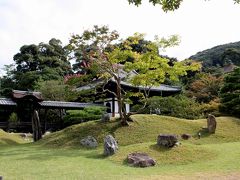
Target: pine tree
{"type": "Point", "coordinates": [230, 94]}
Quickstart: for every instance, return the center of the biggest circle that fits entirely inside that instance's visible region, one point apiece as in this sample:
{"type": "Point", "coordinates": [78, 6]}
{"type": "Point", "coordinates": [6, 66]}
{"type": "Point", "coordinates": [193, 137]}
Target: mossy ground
{"type": "Point", "coordinates": [145, 128]}
{"type": "Point", "coordinates": [10, 138]}
{"type": "Point", "coordinates": [60, 156]}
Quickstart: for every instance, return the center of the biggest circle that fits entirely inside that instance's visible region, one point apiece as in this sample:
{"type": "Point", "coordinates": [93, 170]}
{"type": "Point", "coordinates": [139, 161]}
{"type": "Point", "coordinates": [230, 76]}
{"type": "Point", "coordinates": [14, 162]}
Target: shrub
{"type": "Point", "coordinates": [211, 108]}
{"type": "Point", "coordinates": [87, 114]}
{"type": "Point", "coordinates": [13, 119]}
{"type": "Point", "coordinates": [179, 106]}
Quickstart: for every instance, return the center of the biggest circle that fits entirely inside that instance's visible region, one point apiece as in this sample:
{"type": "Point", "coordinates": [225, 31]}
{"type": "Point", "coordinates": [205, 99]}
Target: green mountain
{"type": "Point", "coordinates": [219, 56]}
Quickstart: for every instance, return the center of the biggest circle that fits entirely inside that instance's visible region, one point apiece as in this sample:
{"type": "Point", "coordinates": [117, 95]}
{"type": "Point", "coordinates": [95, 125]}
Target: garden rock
{"type": "Point", "coordinates": [89, 142]}
{"type": "Point", "coordinates": [105, 117]}
{"type": "Point", "coordinates": [211, 123]}
{"type": "Point", "coordinates": [140, 160]}
{"type": "Point", "coordinates": [110, 145]}
{"type": "Point", "coordinates": [186, 136]}
{"type": "Point", "coordinates": [167, 140]}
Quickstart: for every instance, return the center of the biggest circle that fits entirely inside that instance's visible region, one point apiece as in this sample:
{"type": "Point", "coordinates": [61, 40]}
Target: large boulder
{"type": "Point", "coordinates": [167, 140]}
{"type": "Point", "coordinates": [105, 117]}
{"type": "Point", "coordinates": [110, 145]}
{"type": "Point", "coordinates": [211, 123]}
{"type": "Point", "coordinates": [89, 142]}
{"type": "Point", "coordinates": [140, 160]}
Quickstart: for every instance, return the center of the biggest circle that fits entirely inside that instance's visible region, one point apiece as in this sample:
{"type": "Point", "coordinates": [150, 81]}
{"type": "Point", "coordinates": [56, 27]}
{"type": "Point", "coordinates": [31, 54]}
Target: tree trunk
{"type": "Point", "coordinates": [122, 113]}
{"type": "Point", "coordinates": [36, 126]}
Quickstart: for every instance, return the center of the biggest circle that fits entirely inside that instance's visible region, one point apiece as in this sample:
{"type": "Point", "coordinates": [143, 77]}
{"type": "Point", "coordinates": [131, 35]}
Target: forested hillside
{"type": "Point", "coordinates": [219, 55]}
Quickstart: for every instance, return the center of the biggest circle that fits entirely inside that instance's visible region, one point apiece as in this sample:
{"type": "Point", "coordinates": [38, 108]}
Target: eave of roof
{"type": "Point", "coordinates": [17, 94]}
{"type": "Point", "coordinates": [162, 87]}
{"type": "Point", "coordinates": [7, 102]}
{"type": "Point", "coordinates": [50, 104]}
{"type": "Point", "coordinates": [62, 104]}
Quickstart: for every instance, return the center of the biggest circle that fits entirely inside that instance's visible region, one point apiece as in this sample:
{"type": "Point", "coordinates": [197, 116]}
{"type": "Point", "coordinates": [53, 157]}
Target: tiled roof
{"type": "Point", "coordinates": [7, 102]}
{"type": "Point", "coordinates": [50, 104]}
{"type": "Point", "coordinates": [22, 94]}
{"type": "Point", "coordinates": [62, 104]}
{"type": "Point", "coordinates": [124, 76]}
{"type": "Point", "coordinates": [162, 87]}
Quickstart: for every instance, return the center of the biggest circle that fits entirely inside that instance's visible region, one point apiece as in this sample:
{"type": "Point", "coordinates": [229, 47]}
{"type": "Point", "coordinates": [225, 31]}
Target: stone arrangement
{"type": "Point", "coordinates": [167, 140]}
{"type": "Point", "coordinates": [110, 145]}
{"type": "Point", "coordinates": [89, 142]}
{"type": "Point", "coordinates": [211, 123]}
{"type": "Point", "coordinates": [140, 160]}
{"type": "Point", "coordinates": [186, 136]}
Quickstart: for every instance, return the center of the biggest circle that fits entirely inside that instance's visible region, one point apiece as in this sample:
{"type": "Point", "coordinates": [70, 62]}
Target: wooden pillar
{"type": "Point", "coordinates": [113, 107]}
{"type": "Point", "coordinates": [45, 120]}
{"type": "Point", "coordinates": [36, 126]}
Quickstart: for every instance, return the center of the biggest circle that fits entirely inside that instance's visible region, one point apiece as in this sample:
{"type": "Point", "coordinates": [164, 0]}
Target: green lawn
{"type": "Point", "coordinates": [58, 156]}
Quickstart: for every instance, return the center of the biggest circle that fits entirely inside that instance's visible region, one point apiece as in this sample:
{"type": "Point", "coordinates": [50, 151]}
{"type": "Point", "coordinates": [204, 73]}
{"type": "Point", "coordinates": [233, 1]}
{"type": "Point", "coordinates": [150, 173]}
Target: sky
{"type": "Point", "coordinates": [200, 24]}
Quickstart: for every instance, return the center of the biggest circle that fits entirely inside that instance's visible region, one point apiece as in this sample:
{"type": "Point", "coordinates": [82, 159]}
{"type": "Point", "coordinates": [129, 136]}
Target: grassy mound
{"type": "Point", "coordinates": [183, 154]}
{"type": "Point", "coordinates": [145, 128]}
{"type": "Point", "coordinates": [10, 138]}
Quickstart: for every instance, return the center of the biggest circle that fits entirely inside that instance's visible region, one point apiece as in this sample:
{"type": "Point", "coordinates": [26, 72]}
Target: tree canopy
{"type": "Point", "coordinates": [230, 93]}
{"type": "Point", "coordinates": [206, 88]}
{"type": "Point", "coordinates": [109, 60]}
{"type": "Point", "coordinates": [167, 5]}
{"type": "Point", "coordinates": [45, 61]}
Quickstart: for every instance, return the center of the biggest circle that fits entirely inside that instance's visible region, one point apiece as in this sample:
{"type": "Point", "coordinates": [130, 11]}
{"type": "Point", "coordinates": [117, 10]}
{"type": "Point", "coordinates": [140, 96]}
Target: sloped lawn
{"type": "Point", "coordinates": [59, 155]}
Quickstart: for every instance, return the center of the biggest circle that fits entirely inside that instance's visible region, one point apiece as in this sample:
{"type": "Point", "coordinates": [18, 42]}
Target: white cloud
{"type": "Point", "coordinates": [200, 24]}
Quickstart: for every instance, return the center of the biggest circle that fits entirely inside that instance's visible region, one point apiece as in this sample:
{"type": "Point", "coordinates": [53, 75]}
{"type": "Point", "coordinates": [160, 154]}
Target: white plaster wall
{"type": "Point", "coordinates": [116, 107]}
{"type": "Point", "coordinates": [127, 108]}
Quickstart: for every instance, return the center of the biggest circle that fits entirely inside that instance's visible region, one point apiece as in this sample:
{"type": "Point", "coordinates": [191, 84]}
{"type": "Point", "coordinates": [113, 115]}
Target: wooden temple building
{"type": "Point", "coordinates": [110, 100]}
{"type": "Point", "coordinates": [23, 103]}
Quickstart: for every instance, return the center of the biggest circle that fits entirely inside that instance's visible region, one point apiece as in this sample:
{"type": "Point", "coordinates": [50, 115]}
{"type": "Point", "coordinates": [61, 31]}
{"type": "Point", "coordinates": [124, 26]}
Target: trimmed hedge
{"type": "Point", "coordinates": [87, 114]}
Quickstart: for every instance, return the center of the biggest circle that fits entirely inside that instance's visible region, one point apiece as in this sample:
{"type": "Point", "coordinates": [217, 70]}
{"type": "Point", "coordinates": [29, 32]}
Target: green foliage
{"type": "Point", "coordinates": [179, 106]}
{"type": "Point", "coordinates": [231, 55]}
{"type": "Point", "coordinates": [230, 94]}
{"type": "Point", "coordinates": [154, 69]}
{"type": "Point", "coordinates": [43, 61]}
{"type": "Point", "coordinates": [144, 129]}
{"type": "Point", "coordinates": [13, 118]}
{"type": "Point", "coordinates": [215, 58]}
{"type": "Point", "coordinates": [211, 107]}
{"type": "Point", "coordinates": [167, 5]}
{"type": "Point", "coordinates": [95, 40]}
{"type": "Point", "coordinates": [97, 49]}
{"type": "Point", "coordinates": [87, 114]}
{"type": "Point", "coordinates": [205, 87]}
{"type": "Point", "coordinates": [56, 90]}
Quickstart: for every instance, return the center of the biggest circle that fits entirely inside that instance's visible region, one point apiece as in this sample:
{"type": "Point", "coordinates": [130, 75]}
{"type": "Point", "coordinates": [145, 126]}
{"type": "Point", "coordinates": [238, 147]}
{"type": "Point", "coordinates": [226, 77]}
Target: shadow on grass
{"type": "Point", "coordinates": [96, 156]}
{"type": "Point", "coordinates": [8, 141]}
{"type": "Point", "coordinates": [202, 133]}
{"type": "Point", "coordinates": [158, 148]}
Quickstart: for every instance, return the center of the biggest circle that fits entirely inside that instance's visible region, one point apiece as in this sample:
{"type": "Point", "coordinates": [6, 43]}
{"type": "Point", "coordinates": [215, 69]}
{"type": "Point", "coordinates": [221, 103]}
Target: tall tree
{"type": "Point", "coordinates": [109, 58]}
{"type": "Point", "coordinates": [206, 88]}
{"type": "Point", "coordinates": [230, 93]}
{"type": "Point", "coordinates": [167, 5]}
{"type": "Point", "coordinates": [45, 61]}
{"type": "Point", "coordinates": [6, 81]}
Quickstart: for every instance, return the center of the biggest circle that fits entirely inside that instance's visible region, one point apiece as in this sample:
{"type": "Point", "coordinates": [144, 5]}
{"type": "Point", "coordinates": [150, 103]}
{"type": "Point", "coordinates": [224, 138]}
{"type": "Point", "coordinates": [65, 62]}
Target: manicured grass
{"type": "Point", "coordinates": [145, 128]}
{"type": "Point", "coordinates": [60, 156]}
{"type": "Point", "coordinates": [27, 162]}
